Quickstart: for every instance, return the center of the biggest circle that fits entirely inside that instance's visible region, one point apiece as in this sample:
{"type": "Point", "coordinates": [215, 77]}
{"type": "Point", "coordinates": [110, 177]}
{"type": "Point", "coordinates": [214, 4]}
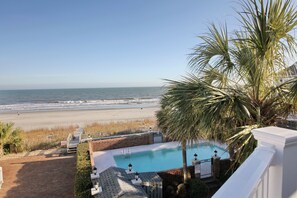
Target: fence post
{"type": "Point", "coordinates": [197, 167]}
{"type": "Point", "coordinates": [215, 165]}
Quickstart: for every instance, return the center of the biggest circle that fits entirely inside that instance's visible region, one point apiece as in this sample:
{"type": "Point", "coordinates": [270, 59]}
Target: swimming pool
{"type": "Point", "coordinates": [164, 159]}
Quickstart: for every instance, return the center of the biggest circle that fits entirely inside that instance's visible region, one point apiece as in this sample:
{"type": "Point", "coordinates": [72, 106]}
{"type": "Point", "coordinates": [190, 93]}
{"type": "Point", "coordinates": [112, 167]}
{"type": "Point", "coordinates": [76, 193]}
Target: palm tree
{"type": "Point", "coordinates": [9, 135]}
{"type": "Point", "coordinates": [236, 87]}
{"type": "Point", "coordinates": [177, 123]}
{"type": "Point", "coordinates": [251, 62]}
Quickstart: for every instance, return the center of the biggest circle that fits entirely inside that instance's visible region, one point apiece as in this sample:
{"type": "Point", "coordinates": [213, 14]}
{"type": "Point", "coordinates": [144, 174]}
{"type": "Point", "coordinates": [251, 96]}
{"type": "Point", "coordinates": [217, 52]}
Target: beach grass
{"type": "Point", "coordinates": [43, 138]}
{"type": "Point", "coordinates": [113, 128]}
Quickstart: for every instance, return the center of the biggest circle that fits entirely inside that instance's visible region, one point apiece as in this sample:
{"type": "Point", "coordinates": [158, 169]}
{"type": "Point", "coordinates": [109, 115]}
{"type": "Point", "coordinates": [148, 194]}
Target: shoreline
{"type": "Point", "coordinates": [51, 119]}
{"type": "Point", "coordinates": [90, 109]}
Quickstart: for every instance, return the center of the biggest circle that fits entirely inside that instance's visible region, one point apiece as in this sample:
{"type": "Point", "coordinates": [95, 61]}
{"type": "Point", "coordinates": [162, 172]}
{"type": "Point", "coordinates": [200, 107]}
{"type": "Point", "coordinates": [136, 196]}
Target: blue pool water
{"type": "Point", "coordinates": [164, 159]}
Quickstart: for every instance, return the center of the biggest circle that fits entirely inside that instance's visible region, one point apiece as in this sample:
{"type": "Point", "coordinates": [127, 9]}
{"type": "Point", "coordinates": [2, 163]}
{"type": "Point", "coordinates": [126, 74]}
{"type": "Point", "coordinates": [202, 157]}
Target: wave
{"type": "Point", "coordinates": [81, 105]}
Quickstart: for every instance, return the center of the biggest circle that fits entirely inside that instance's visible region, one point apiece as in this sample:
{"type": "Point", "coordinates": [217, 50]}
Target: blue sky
{"type": "Point", "coordinates": [96, 43]}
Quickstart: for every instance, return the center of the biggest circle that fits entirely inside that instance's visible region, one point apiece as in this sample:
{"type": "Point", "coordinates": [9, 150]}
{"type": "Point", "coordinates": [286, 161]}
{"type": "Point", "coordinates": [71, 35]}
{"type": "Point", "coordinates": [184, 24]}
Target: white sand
{"type": "Point", "coordinates": [28, 121]}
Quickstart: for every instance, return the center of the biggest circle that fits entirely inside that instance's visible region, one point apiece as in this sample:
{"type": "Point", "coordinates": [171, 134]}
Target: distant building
{"type": "Point", "coordinates": [291, 121]}
{"type": "Point", "coordinates": [289, 73]}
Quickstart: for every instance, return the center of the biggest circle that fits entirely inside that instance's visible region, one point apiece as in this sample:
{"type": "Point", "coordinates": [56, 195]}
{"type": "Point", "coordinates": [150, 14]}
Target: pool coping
{"type": "Point", "coordinates": [107, 156]}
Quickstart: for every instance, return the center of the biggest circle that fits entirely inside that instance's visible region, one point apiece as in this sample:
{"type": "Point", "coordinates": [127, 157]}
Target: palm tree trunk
{"type": "Point", "coordinates": [258, 115]}
{"type": "Point", "coordinates": [184, 154]}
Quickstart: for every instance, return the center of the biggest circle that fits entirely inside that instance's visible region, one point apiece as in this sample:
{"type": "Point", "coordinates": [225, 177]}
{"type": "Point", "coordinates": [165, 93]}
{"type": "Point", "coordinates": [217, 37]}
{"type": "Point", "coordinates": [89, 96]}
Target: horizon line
{"type": "Point", "coordinates": [82, 88]}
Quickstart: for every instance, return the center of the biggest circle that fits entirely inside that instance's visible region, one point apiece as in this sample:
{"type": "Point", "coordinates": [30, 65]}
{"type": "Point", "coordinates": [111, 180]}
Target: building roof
{"type": "Point", "coordinates": [292, 70]}
{"type": "Point", "coordinates": [115, 182]}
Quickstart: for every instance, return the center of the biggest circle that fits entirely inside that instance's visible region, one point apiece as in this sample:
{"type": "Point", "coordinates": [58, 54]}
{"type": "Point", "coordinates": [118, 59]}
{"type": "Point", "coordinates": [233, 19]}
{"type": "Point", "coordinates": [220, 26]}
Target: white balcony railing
{"type": "Point", "coordinates": [270, 171]}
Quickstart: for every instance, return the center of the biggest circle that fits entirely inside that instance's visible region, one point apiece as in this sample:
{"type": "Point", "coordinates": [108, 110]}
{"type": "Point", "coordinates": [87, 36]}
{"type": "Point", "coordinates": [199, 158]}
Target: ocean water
{"type": "Point", "coordinates": [12, 101]}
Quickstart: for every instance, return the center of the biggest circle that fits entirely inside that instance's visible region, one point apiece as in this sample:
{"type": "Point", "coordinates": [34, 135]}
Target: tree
{"type": "Point", "coordinates": [236, 87]}
{"type": "Point", "coordinates": [177, 123]}
{"type": "Point", "coordinates": [9, 135]}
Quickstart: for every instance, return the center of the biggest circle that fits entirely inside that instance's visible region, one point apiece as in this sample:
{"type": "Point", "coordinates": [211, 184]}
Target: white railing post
{"type": "Point", "coordinates": [283, 169]}
{"type": "Point", "coordinates": [270, 171]}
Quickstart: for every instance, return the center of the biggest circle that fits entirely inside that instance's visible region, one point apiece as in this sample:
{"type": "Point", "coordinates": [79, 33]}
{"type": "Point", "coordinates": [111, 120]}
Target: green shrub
{"type": "Point", "coordinates": [83, 183]}
{"type": "Point", "coordinates": [197, 188]}
{"type": "Point", "coordinates": [225, 176]}
{"type": "Point", "coordinates": [10, 138]}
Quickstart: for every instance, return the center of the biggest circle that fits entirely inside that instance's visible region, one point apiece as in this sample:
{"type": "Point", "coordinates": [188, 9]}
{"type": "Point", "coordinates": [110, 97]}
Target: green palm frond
{"type": "Point", "coordinates": [293, 90]}
{"type": "Point", "coordinates": [177, 118]}
{"type": "Point", "coordinates": [243, 141]}
{"type": "Point", "coordinates": [215, 44]}
{"type": "Point", "coordinates": [6, 129]}
{"type": "Point", "coordinates": [269, 27]}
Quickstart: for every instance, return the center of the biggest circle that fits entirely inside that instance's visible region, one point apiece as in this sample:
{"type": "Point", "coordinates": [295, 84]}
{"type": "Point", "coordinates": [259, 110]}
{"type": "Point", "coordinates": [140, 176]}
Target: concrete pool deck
{"type": "Point", "coordinates": [105, 159]}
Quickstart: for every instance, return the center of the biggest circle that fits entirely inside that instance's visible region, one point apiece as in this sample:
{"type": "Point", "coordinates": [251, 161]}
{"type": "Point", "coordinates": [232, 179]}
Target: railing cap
{"type": "Point", "coordinates": [276, 135]}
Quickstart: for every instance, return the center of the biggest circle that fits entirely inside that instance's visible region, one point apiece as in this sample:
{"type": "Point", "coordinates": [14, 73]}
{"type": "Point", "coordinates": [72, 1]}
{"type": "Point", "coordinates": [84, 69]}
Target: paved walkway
{"type": "Point", "coordinates": [38, 176]}
{"type": "Point", "coordinates": [53, 152]}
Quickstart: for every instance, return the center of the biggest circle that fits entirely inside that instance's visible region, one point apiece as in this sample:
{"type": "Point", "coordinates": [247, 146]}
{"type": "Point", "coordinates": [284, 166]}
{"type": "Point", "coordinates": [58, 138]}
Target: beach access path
{"type": "Point", "coordinates": [35, 120]}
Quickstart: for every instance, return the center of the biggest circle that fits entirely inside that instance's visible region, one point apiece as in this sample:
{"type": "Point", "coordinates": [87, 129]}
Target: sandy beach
{"type": "Point", "coordinates": [34, 120]}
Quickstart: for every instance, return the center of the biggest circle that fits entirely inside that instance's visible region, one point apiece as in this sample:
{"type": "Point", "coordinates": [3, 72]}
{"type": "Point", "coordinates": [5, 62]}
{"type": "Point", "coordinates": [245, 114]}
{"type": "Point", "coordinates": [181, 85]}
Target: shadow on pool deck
{"type": "Point", "coordinates": [39, 176]}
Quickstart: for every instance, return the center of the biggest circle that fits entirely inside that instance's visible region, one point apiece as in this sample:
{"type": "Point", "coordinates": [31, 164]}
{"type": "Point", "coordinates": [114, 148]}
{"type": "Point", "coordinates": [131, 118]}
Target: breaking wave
{"type": "Point", "coordinates": [81, 105]}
